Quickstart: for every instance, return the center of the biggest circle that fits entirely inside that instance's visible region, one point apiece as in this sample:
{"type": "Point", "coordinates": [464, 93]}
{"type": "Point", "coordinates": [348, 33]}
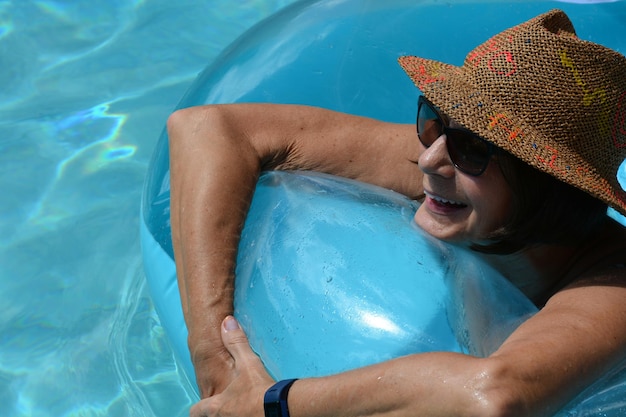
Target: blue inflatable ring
{"type": "Point", "coordinates": [332, 274]}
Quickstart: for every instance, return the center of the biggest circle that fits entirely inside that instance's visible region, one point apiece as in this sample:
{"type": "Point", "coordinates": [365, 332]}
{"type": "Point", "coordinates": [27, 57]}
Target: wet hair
{"type": "Point", "coordinates": [545, 210]}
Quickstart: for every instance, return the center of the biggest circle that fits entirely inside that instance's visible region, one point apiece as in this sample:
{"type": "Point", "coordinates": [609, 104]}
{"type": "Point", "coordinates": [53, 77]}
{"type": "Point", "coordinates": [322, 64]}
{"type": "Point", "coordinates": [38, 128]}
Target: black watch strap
{"type": "Point", "coordinates": [275, 401]}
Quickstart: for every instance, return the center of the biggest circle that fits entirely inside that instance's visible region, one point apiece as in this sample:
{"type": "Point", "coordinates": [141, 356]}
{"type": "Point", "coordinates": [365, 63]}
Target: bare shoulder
{"type": "Point", "coordinates": [594, 300]}
{"type": "Point", "coordinates": [580, 331]}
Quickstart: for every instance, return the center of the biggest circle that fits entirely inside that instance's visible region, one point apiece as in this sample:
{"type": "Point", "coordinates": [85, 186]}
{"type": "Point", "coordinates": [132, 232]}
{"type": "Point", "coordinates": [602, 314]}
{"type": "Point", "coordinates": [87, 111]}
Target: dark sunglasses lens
{"type": "Point", "coordinates": [429, 125]}
{"type": "Point", "coordinates": [468, 152]}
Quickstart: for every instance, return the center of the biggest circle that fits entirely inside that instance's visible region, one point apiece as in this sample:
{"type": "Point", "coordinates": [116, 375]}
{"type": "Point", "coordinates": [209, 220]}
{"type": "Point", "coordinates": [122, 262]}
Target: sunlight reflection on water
{"type": "Point", "coordinates": [87, 87]}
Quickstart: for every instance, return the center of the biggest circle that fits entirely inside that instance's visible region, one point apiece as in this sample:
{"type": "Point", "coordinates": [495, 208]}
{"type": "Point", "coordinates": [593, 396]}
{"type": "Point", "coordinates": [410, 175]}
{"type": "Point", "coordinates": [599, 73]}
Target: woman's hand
{"type": "Point", "coordinates": [243, 397]}
{"type": "Point", "coordinates": [213, 366]}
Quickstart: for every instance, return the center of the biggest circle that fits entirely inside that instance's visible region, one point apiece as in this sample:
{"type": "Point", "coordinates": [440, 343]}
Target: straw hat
{"type": "Point", "coordinates": [539, 92]}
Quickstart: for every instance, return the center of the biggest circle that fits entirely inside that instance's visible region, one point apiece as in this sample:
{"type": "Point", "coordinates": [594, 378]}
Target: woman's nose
{"type": "Point", "coordinates": [435, 160]}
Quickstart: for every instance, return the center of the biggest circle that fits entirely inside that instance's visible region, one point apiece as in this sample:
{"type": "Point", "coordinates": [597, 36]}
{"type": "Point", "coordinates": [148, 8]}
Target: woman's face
{"type": "Point", "coordinates": [460, 207]}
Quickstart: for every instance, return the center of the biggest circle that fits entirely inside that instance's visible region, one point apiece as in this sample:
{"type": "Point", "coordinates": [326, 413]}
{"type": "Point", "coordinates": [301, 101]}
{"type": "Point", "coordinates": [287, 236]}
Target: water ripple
{"type": "Point", "coordinates": [87, 87]}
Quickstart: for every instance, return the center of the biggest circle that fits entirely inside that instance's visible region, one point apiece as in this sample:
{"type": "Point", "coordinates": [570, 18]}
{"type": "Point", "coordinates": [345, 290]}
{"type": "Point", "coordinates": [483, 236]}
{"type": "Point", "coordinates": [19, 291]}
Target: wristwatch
{"type": "Point", "coordinates": [275, 401]}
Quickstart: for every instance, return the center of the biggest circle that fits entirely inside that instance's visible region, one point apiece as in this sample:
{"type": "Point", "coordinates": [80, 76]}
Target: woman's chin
{"type": "Point", "coordinates": [445, 228]}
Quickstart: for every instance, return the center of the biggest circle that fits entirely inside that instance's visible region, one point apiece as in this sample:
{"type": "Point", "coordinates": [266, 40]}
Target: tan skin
{"type": "Point", "coordinates": [217, 153]}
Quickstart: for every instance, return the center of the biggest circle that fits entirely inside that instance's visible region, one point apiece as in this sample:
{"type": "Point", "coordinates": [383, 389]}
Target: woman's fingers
{"type": "Point", "coordinates": [248, 366]}
{"type": "Point", "coordinates": [244, 395]}
{"type": "Point", "coordinates": [236, 342]}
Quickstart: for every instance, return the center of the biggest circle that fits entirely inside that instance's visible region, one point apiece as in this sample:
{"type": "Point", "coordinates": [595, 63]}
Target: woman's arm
{"type": "Point", "coordinates": [216, 155]}
{"type": "Point", "coordinates": [576, 338]}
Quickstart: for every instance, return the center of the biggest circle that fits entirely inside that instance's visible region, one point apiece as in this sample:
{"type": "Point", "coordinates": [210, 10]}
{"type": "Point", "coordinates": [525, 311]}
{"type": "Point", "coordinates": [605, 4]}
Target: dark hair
{"type": "Point", "coordinates": [545, 210]}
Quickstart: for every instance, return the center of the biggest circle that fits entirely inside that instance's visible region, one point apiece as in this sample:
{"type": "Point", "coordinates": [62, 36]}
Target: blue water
{"type": "Point", "coordinates": [86, 88]}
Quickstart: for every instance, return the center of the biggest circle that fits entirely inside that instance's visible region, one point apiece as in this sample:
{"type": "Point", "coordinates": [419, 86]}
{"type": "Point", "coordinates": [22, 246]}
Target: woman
{"type": "Point", "coordinates": [531, 104]}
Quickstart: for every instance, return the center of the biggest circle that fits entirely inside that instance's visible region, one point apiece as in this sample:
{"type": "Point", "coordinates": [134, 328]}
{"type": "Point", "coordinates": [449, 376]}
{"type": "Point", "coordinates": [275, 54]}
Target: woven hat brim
{"type": "Point", "coordinates": [450, 89]}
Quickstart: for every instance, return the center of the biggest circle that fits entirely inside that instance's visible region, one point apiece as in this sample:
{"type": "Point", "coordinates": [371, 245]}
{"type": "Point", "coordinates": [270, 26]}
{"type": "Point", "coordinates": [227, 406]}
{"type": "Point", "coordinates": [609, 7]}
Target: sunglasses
{"type": "Point", "coordinates": [468, 152]}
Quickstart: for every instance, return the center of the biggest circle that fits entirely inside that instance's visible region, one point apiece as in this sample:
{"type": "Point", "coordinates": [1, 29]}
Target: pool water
{"type": "Point", "coordinates": [86, 89]}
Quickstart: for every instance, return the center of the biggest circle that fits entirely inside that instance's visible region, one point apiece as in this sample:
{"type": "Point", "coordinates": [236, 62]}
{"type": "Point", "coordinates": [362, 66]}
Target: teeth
{"type": "Point", "coordinates": [443, 200]}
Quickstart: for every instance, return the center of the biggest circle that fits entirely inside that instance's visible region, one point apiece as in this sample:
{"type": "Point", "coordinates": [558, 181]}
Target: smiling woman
{"type": "Point", "coordinates": [331, 274]}
{"type": "Point", "coordinates": [531, 202]}
{"type": "Point", "coordinates": [471, 210]}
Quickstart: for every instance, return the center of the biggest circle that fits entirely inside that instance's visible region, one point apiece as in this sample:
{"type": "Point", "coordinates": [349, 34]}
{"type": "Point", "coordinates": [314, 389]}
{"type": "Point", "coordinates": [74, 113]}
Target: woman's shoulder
{"type": "Point", "coordinates": [597, 261]}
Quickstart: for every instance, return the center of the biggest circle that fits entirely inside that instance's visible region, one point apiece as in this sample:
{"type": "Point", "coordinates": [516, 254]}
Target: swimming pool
{"type": "Point", "coordinates": [87, 86]}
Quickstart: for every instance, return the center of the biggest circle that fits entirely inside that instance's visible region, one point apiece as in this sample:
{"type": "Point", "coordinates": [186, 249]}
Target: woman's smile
{"type": "Point", "coordinates": [440, 204]}
{"type": "Point", "coordinates": [461, 207]}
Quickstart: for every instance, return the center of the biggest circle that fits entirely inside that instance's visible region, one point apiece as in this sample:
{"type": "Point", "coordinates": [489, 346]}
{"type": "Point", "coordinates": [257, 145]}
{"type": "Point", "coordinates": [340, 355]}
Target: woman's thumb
{"type": "Point", "coordinates": [235, 339]}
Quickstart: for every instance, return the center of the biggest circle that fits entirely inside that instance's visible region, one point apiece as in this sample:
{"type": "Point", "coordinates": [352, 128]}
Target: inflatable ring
{"type": "Point", "coordinates": [348, 280]}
